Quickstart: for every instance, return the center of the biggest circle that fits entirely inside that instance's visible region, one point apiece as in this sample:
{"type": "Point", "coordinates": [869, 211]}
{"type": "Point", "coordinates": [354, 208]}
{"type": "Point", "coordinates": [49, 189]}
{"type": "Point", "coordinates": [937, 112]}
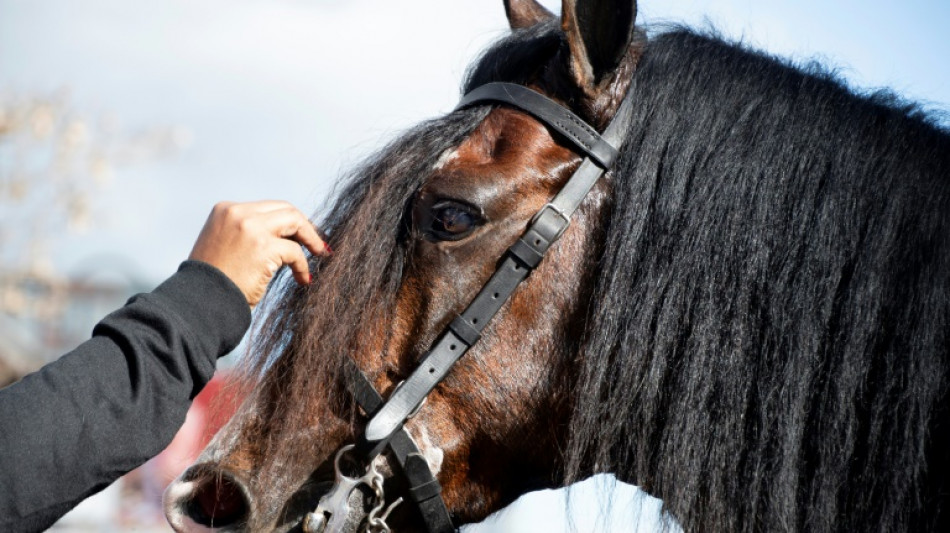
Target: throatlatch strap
{"type": "Point", "coordinates": [424, 488]}
{"type": "Point", "coordinates": [523, 256]}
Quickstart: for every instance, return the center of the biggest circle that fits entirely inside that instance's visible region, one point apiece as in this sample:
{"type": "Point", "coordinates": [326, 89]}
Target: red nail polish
{"type": "Point", "coordinates": [329, 250]}
{"type": "Point", "coordinates": [309, 278]}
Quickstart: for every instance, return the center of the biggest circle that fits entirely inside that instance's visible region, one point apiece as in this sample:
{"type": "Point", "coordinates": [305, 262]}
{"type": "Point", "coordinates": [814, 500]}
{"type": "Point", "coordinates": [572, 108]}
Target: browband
{"type": "Point", "coordinates": [556, 116]}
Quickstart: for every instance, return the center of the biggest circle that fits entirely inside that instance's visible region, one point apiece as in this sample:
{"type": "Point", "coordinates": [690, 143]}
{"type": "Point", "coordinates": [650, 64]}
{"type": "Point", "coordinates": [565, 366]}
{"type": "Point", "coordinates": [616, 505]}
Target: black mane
{"type": "Point", "coordinates": [769, 344]}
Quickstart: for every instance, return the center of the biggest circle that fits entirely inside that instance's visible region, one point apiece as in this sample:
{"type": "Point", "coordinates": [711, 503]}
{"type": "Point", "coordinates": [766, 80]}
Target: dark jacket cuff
{"type": "Point", "coordinates": [209, 302]}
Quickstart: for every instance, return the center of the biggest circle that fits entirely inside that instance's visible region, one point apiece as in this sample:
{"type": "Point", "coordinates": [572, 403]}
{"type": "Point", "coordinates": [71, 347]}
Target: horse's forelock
{"type": "Point", "coordinates": [306, 332]}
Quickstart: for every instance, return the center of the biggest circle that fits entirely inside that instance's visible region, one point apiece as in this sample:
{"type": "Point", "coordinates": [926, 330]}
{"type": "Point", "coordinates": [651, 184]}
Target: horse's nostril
{"type": "Point", "coordinates": [218, 500]}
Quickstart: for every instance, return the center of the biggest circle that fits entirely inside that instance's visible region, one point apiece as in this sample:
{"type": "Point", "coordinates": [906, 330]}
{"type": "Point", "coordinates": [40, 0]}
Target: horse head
{"type": "Point", "coordinates": [418, 232]}
{"type": "Point", "coordinates": [748, 316]}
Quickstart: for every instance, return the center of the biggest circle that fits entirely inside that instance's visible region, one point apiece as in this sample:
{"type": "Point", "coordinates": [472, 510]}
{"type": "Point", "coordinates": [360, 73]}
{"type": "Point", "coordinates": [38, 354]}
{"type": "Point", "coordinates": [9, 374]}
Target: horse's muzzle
{"type": "Point", "coordinates": [207, 497]}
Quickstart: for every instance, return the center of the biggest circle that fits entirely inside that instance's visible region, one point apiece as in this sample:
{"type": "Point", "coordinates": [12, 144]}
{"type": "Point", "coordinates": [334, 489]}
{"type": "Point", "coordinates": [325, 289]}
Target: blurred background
{"type": "Point", "coordinates": [122, 123]}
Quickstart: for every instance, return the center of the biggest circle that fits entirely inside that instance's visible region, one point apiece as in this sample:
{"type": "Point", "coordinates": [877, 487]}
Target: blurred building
{"type": "Point", "coordinates": [42, 317]}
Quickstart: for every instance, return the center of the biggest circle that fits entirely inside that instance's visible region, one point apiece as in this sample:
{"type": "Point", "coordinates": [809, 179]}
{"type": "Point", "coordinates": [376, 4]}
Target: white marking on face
{"type": "Point", "coordinates": [432, 453]}
{"type": "Point", "coordinates": [447, 157]}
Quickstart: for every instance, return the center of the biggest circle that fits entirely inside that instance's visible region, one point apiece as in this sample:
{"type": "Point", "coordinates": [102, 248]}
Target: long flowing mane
{"type": "Point", "coordinates": [768, 345]}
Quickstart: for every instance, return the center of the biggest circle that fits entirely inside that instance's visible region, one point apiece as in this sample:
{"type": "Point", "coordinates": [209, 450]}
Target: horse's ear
{"type": "Point", "coordinates": [598, 32]}
{"type": "Point", "coordinates": [526, 13]}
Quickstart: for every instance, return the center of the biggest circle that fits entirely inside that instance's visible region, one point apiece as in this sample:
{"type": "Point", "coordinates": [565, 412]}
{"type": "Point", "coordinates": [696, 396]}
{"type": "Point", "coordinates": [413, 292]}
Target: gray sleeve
{"type": "Point", "coordinates": [70, 429]}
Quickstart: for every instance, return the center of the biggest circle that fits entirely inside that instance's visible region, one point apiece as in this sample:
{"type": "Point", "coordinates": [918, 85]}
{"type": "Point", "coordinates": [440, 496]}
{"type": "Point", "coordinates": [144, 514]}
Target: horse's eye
{"type": "Point", "coordinates": [452, 221]}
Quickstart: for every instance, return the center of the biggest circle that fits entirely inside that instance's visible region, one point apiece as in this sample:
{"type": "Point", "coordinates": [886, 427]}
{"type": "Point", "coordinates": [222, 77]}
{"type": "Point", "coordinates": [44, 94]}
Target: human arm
{"type": "Point", "coordinates": [73, 427]}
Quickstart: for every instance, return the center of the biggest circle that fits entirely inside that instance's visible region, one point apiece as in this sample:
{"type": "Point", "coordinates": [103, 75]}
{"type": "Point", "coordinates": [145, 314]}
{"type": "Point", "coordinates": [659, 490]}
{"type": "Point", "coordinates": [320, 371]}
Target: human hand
{"type": "Point", "coordinates": [250, 241]}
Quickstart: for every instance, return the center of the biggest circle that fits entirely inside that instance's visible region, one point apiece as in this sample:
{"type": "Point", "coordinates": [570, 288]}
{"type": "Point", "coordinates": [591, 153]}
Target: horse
{"type": "Point", "coordinates": [748, 315]}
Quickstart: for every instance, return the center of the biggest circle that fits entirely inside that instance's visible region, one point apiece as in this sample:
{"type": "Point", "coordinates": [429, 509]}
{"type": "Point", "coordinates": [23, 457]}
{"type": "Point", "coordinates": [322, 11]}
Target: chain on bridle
{"type": "Point", "coordinates": [385, 427]}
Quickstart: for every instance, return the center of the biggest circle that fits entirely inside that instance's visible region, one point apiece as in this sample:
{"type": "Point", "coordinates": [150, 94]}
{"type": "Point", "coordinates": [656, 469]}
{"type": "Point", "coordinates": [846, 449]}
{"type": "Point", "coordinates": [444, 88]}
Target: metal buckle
{"type": "Point", "coordinates": [333, 509]}
{"type": "Point", "coordinates": [557, 211]}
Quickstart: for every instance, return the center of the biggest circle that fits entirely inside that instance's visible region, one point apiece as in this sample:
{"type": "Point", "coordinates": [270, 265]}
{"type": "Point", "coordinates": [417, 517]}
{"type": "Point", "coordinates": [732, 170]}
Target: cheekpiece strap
{"type": "Point", "coordinates": [386, 419]}
{"type": "Point", "coordinates": [520, 259]}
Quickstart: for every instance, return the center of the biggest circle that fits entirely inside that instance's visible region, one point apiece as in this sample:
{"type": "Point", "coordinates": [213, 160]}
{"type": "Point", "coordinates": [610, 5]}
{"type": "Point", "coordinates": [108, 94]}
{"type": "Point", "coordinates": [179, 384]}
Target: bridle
{"type": "Point", "coordinates": [387, 418]}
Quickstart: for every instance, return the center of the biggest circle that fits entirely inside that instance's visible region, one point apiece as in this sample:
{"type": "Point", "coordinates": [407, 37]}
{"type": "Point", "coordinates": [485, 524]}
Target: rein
{"type": "Point", "coordinates": [387, 418]}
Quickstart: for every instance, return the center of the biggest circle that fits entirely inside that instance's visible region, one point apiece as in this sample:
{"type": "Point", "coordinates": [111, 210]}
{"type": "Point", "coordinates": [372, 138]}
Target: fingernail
{"type": "Point", "coordinates": [309, 278]}
{"type": "Point", "coordinates": [328, 249]}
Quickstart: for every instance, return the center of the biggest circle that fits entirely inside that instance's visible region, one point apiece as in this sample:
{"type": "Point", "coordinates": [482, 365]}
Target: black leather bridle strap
{"type": "Point", "coordinates": [453, 343]}
{"type": "Point", "coordinates": [547, 111]}
{"type": "Point", "coordinates": [424, 488]}
{"type": "Point", "coordinates": [524, 255]}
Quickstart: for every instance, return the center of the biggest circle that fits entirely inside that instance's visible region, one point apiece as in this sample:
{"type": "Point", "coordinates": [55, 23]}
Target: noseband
{"type": "Point", "coordinates": [387, 418]}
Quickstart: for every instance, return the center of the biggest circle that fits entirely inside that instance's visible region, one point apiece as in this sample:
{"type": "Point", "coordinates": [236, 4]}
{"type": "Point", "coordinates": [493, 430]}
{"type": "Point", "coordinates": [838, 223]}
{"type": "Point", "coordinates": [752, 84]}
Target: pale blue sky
{"type": "Point", "coordinates": [279, 96]}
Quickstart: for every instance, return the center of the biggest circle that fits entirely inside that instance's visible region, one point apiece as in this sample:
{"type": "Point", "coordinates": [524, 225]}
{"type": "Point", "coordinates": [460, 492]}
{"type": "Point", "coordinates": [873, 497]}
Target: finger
{"type": "Point", "coordinates": [267, 206]}
{"type": "Point", "coordinates": [307, 235]}
{"type": "Point", "coordinates": [292, 256]}
{"type": "Point", "coordinates": [290, 223]}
